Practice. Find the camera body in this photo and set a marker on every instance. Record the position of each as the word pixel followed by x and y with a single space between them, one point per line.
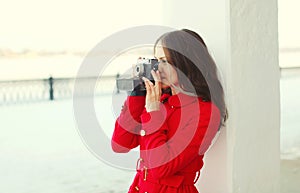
pixel 141 69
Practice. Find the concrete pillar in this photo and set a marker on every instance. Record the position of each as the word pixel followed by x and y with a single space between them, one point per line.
pixel 242 37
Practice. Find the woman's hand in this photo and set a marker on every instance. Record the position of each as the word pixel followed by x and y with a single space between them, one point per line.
pixel 153 92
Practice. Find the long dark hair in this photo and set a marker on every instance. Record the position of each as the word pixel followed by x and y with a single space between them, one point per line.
pixel 196 69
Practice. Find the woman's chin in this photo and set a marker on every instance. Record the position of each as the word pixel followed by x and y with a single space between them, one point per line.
pixel 164 86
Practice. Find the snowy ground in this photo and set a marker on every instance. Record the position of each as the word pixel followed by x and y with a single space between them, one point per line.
pixel 42 151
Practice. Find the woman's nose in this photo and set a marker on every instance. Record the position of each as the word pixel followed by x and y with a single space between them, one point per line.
pixel 160 67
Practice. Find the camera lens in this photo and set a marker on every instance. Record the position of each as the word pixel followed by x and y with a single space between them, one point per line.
pixel 155 66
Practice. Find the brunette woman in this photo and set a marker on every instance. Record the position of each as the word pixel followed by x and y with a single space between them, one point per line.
pixel 176 119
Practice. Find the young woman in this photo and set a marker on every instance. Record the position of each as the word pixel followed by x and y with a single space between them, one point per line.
pixel 177 119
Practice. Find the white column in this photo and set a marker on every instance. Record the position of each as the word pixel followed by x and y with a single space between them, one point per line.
pixel 242 37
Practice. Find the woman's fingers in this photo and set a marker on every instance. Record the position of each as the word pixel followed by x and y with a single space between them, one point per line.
pixel 152 95
pixel 157 79
pixel 156 76
pixel 148 85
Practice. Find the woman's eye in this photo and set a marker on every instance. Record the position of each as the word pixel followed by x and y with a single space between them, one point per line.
pixel 163 61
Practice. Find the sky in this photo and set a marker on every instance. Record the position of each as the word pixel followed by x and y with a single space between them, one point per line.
pixel 79 25
pixel 72 25
pixel 288 23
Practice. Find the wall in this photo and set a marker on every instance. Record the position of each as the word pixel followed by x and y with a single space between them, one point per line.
pixel 242 37
pixel 254 92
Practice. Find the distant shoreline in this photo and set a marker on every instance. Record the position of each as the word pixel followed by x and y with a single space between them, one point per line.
pixel 25 53
pixel 290 71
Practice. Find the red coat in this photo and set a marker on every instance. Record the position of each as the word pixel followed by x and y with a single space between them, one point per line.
pixel 172 141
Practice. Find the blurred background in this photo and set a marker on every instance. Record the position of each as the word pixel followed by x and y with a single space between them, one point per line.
pixel 42 45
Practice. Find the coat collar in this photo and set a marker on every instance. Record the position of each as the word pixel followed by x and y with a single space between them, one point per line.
pixel 179 99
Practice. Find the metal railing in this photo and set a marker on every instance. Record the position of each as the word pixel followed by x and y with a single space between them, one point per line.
pixel 24 91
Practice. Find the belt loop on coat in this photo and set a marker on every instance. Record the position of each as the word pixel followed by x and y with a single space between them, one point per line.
pixel 197 176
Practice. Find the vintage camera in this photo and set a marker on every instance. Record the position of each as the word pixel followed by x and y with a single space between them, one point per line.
pixel 142 68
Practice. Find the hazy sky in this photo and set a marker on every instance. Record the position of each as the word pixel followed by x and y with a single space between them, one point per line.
pixel 66 24
pixel 79 25
pixel 288 21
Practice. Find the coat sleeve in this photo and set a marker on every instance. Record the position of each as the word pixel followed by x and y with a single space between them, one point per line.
pixel 127 126
pixel 167 156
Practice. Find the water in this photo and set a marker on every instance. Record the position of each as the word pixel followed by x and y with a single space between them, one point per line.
pixel 40 67
pixel 41 151
pixel 290 114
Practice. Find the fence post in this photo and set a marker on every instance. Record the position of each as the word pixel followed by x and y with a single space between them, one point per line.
pixel 117 76
pixel 51 92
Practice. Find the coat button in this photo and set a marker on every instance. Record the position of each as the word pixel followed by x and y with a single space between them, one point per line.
pixel 142 132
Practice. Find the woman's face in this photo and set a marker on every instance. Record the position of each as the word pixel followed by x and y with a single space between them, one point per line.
pixel 168 73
